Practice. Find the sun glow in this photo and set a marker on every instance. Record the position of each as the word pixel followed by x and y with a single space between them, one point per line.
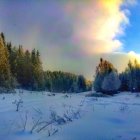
pixel 134 56
pixel 99 24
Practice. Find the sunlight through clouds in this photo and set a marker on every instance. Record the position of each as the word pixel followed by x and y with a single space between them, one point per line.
pixel 71 35
pixel 99 23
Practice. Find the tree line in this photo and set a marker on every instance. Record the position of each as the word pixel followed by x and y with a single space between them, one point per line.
pixel 59 81
pixel 130 78
pixel 21 68
pixel 107 79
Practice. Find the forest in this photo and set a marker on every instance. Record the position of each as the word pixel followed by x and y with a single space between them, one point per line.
pixel 22 69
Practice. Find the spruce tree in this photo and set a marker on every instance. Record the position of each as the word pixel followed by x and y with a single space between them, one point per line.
pixel 20 66
pixel 38 75
pixel 81 83
pixel 27 79
pixel 5 75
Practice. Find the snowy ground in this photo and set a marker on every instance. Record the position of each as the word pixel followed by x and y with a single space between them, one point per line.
pixel 75 117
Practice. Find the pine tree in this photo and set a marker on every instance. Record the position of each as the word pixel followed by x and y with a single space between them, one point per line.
pixel 38 75
pixel 81 83
pixel 20 66
pixel 27 79
pixel 133 74
pixel 12 58
pixel 5 75
pixel 124 81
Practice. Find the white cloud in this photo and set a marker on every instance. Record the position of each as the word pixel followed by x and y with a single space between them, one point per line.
pixel 134 56
pixel 98 23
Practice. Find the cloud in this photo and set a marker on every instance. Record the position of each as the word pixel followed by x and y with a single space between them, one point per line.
pixel 77 26
pixel 131 2
pixel 71 35
pixel 134 56
pixel 99 23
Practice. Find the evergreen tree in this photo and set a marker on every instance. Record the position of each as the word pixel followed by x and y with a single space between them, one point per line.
pixel 102 70
pixel 81 83
pixel 27 82
pixel 38 75
pixel 5 75
pixel 12 58
pixel 124 81
pixel 131 77
pixel 20 66
pixel 59 81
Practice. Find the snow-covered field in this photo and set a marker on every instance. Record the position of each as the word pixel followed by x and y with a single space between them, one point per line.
pixel 43 116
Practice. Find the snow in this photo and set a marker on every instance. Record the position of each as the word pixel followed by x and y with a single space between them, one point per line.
pixel 102 118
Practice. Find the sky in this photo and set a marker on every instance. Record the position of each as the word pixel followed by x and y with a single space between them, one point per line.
pixel 72 35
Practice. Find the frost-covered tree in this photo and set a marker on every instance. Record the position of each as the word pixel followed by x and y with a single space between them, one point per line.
pixel 111 83
pixel 102 70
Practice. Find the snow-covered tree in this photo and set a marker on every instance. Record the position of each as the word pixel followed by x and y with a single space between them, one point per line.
pixel 111 83
pixel 130 77
pixel 102 70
